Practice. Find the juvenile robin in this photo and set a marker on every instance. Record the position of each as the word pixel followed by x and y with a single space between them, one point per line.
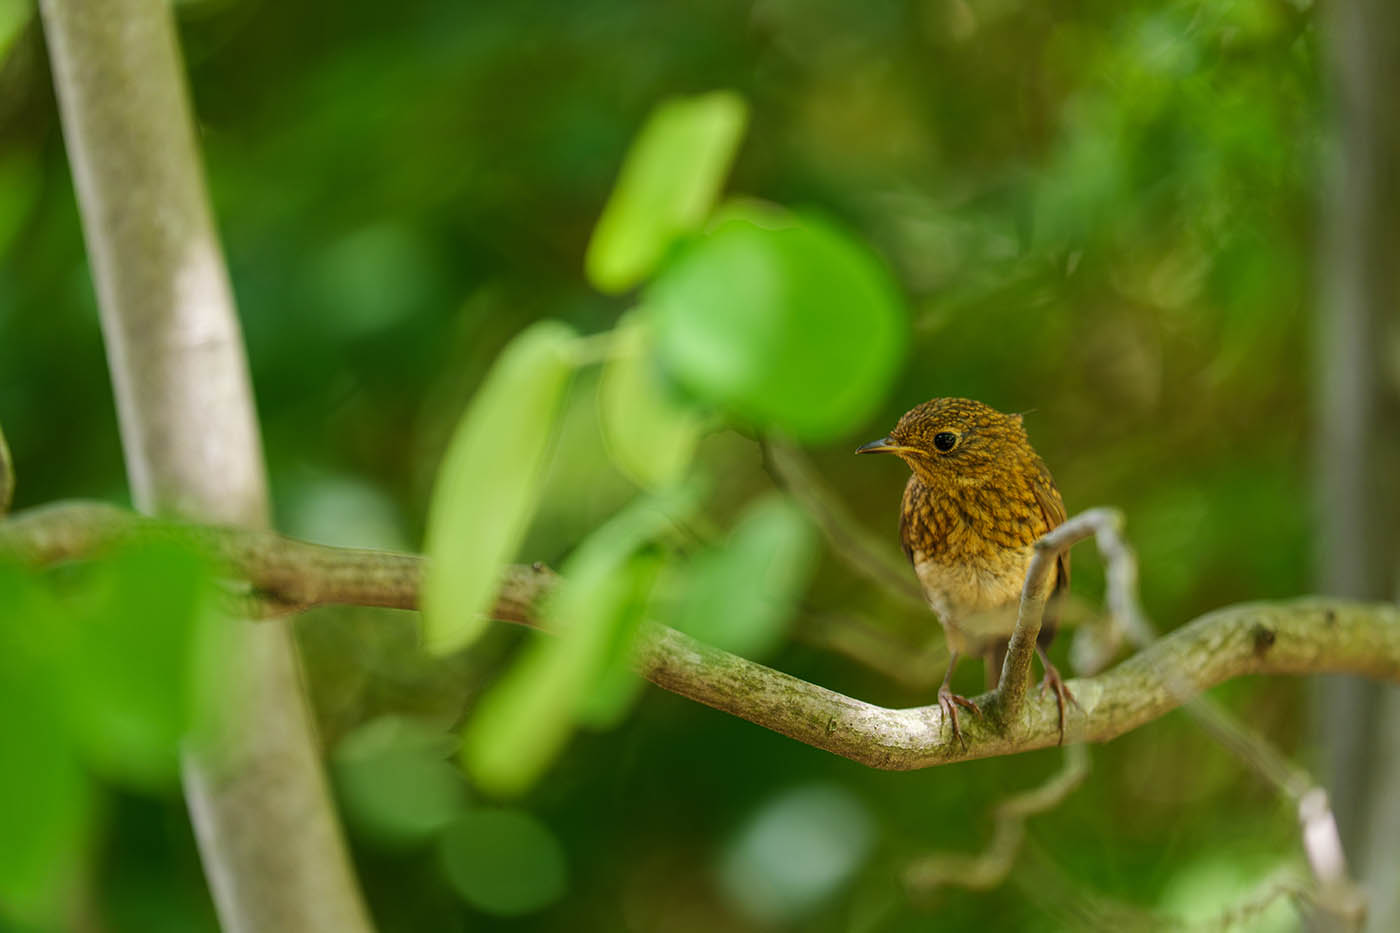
pixel 978 499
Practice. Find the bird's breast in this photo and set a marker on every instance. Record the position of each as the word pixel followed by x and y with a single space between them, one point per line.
pixel 970 550
pixel 976 600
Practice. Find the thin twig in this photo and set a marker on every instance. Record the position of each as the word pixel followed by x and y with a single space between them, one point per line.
pixel 1332 892
pixel 7 476
pixel 989 868
pixel 1296 637
pixel 848 539
pixel 916 667
pixel 1016 668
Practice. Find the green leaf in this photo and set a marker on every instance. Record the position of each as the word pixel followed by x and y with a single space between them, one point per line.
pixel 489 483
pixel 651 435
pixel 504 862
pixel 741 596
pixel 796 328
pixel 523 721
pixel 14 16
pixel 45 795
pixel 395 782
pixel 616 686
pixel 668 184
pixel 132 671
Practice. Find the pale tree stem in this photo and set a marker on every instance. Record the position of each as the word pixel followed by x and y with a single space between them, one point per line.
pixel 1358 419
pixel 268 837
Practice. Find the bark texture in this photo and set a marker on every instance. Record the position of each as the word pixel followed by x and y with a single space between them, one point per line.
pixel 1358 422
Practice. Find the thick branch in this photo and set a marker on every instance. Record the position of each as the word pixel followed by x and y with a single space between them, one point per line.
pixel 1296 637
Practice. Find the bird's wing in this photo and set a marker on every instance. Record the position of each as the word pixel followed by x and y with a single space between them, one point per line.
pixel 1052 509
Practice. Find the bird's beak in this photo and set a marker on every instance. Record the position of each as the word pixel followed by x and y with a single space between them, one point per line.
pixel 883 446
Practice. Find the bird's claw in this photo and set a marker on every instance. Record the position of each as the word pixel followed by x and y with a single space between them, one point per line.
pixel 949 702
pixel 1053 681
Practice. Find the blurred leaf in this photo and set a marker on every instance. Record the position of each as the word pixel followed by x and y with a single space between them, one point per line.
pixel 370 280
pixel 795 852
pixel 489 482
pixel 667 186
pixel 14 16
pixel 616 686
pixel 45 798
pixel 525 718
pixel 740 597
pixel 651 435
pixel 395 781
pixel 132 679
pixel 797 328
pixel 504 862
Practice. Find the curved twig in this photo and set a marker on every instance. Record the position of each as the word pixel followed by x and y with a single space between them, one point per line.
pixel 989 868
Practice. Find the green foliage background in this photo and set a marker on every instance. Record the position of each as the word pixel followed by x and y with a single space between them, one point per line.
pixel 1100 212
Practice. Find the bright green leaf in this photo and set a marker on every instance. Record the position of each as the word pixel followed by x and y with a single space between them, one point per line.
pixel 45 797
pixel 616 686
pixel 740 597
pixel 134 651
pixel 798 328
pixel 395 782
pixel 489 483
pixel 525 718
pixel 667 186
pixel 504 862
pixel 651 435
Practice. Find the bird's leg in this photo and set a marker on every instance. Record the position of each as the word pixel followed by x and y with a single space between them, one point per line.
pixel 950 701
pixel 1054 681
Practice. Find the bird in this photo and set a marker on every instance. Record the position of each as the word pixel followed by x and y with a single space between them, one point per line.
pixel 978 498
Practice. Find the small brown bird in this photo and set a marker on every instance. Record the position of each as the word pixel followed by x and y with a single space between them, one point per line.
pixel 979 498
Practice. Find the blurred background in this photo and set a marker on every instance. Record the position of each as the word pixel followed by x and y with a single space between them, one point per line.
pixel 1104 214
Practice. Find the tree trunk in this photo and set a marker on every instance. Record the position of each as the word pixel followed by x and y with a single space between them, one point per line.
pixel 1358 430
pixel 271 847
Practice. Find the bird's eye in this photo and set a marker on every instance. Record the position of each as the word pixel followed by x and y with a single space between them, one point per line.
pixel 945 441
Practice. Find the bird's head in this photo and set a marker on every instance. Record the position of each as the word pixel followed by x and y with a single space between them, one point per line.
pixel 953 442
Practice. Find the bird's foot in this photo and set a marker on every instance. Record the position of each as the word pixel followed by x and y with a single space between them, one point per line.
pixel 950 701
pixel 1053 681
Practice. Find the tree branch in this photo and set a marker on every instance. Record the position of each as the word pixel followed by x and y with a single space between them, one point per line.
pixel 1035 593
pixel 1301 636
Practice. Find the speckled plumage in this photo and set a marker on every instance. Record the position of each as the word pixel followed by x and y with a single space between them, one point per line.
pixel 970 515
pixel 969 518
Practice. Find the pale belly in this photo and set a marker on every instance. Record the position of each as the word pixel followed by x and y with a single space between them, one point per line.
pixel 976 603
